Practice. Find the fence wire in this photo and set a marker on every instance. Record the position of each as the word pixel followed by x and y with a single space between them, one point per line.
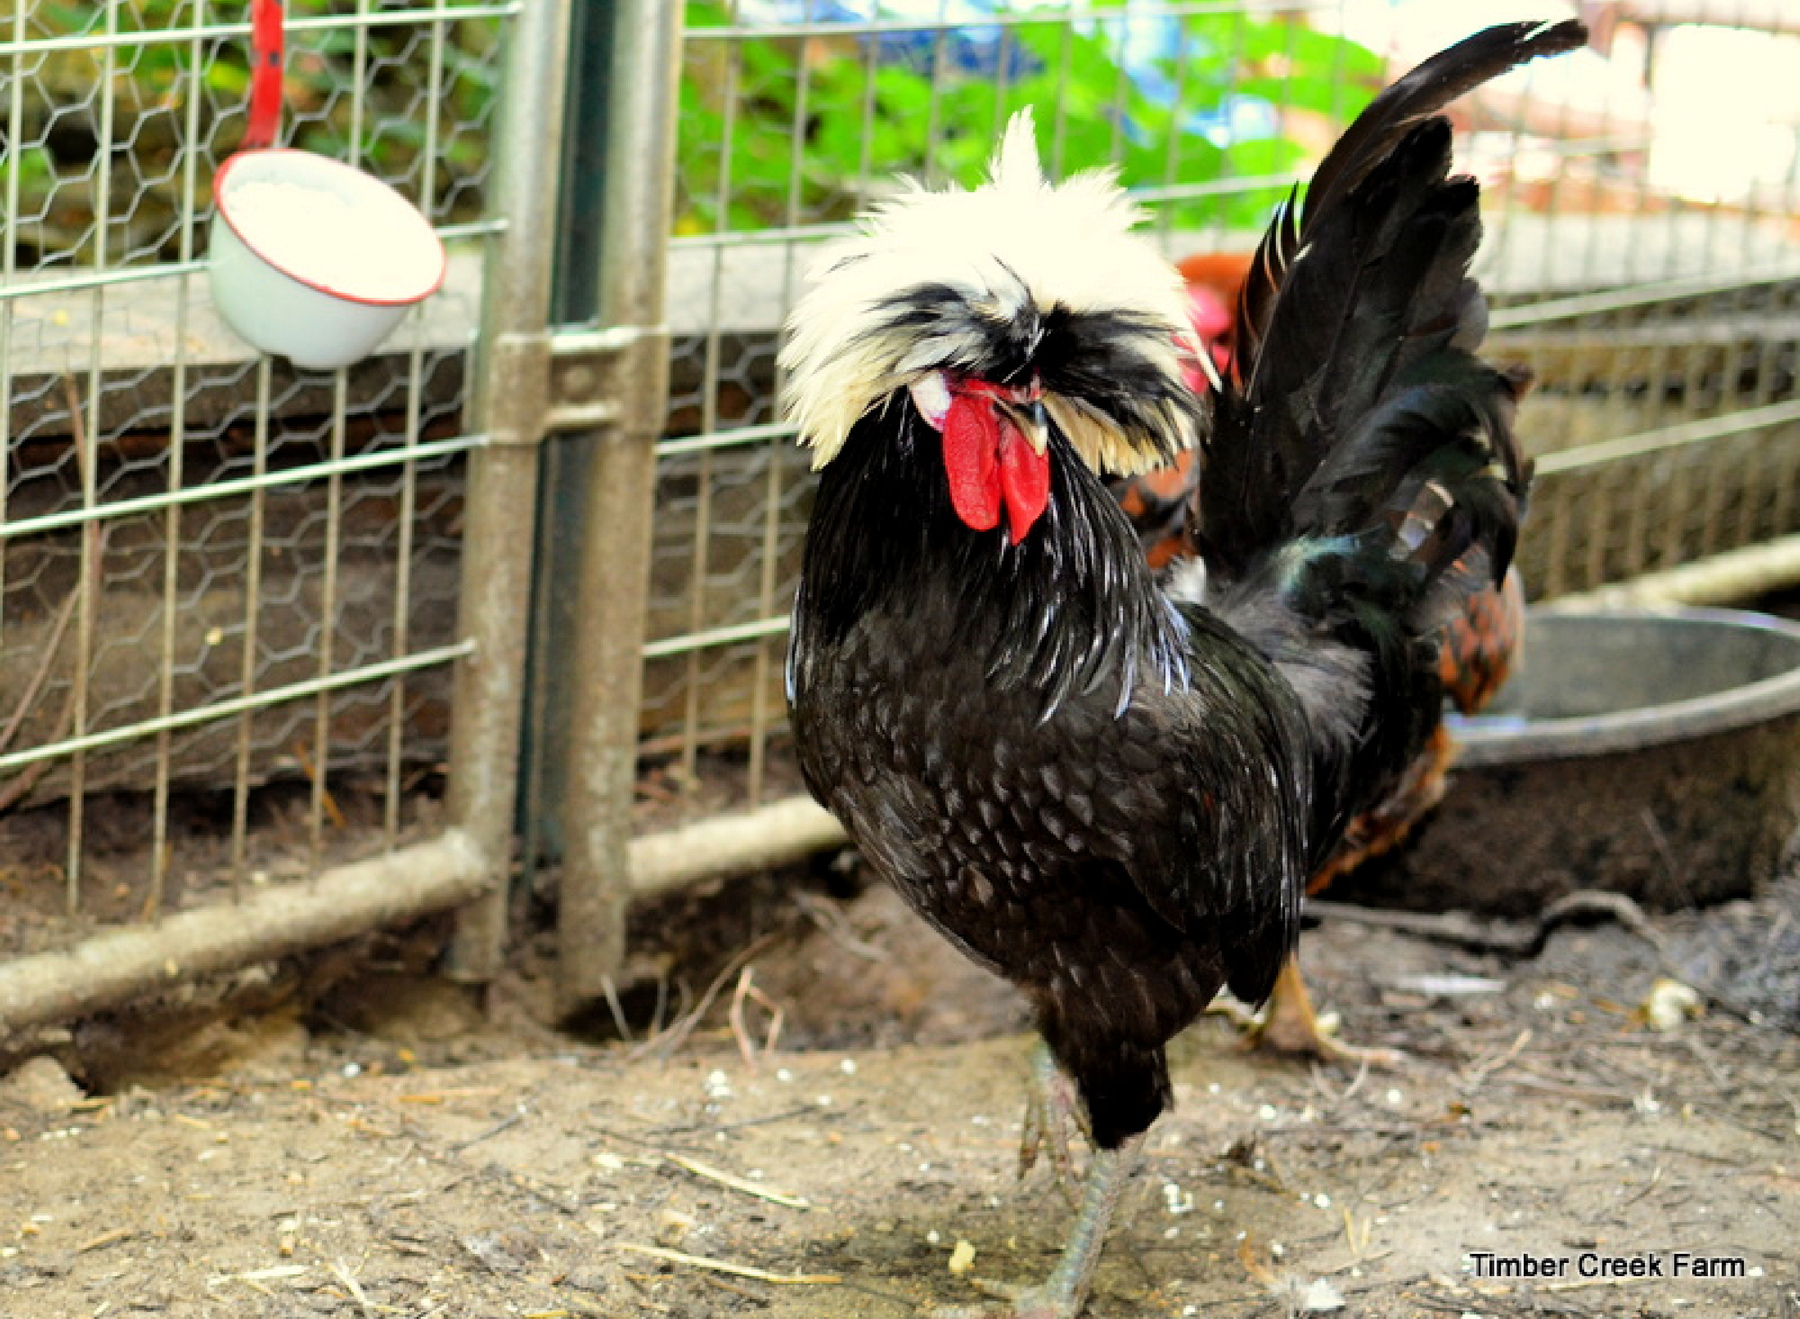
pixel 1650 284
pixel 228 586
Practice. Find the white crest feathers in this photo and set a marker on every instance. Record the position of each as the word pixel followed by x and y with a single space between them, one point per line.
pixel 1016 244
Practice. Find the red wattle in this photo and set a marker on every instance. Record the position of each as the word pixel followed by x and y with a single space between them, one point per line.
pixel 1025 479
pixel 971 460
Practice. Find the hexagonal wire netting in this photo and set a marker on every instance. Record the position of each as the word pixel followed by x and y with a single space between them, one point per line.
pixel 228 584
pixel 1641 255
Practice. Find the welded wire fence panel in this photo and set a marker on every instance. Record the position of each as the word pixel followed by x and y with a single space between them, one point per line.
pixel 794 119
pixel 229 585
pixel 1641 254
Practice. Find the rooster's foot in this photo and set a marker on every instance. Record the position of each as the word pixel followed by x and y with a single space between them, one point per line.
pixel 1292 1026
pixel 1015 1302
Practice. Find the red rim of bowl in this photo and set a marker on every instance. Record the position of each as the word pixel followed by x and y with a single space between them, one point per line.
pixel 224 213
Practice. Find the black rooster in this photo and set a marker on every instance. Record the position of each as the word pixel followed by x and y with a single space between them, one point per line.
pixel 1109 791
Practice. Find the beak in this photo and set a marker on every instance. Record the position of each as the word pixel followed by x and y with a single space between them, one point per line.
pixel 1031 421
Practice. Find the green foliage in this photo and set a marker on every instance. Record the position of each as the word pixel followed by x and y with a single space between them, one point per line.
pixel 779 129
pixel 776 128
pixel 365 99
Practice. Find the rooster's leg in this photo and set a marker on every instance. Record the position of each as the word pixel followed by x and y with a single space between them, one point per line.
pixel 1063 1294
pixel 1052 1111
pixel 1291 1025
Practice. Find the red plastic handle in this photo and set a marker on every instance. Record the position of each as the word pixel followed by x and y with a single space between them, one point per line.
pixel 266 45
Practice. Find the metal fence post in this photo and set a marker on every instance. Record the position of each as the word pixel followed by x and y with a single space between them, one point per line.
pixel 613 576
pixel 509 405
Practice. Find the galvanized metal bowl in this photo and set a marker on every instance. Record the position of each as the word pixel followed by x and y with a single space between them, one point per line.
pixel 1653 753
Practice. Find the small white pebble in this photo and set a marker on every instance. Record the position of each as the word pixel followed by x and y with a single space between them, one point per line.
pixel 352 1069
pixel 1322 1200
pixel 782 1074
pixel 1170 1233
pixel 1321 1298
pixel 1277 1250
pixel 848 1067
pixel 1394 1098
pixel 1212 1088
pixel 1266 1113
pixel 608 1160
pixel 823 1101
pixel 932 1237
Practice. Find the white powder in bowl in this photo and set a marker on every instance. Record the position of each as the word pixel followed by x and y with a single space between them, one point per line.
pixel 372 248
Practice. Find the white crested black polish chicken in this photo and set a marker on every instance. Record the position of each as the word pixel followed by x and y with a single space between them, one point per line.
pixel 1107 787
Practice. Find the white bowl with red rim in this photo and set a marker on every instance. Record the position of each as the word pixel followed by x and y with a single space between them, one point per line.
pixel 315 260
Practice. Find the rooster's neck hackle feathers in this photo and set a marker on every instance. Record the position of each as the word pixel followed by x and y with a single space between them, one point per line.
pixel 1016 278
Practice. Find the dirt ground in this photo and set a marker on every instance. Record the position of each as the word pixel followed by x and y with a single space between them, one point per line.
pixel 393 1149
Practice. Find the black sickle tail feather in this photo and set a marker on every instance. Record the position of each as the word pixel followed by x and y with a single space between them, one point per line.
pixel 1386 241
pixel 1362 477
pixel 1357 329
pixel 1368 141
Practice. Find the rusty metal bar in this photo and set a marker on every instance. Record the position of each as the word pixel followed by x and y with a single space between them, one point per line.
pixel 511 373
pixel 620 498
pixel 778 834
pixel 113 968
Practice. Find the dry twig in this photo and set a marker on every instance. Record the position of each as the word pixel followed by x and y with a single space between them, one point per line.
pixel 740 1031
pixel 1508 938
pixel 736 1183
pixel 312 776
pixel 666 1042
pixel 726 1266
pixel 88 590
pixel 1473 1078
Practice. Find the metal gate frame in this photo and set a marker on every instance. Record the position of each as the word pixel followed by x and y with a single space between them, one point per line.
pixel 469 861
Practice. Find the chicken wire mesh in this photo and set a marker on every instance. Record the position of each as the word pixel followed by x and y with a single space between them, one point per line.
pixel 1641 253
pixel 228 585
